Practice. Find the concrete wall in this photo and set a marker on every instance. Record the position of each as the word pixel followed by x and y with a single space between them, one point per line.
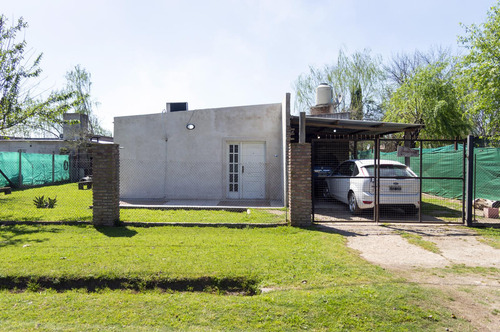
pixel 32 146
pixel 160 158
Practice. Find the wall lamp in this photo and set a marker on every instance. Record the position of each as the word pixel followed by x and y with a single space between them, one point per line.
pixel 190 126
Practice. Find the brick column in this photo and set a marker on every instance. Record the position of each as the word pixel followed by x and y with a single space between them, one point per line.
pixel 300 185
pixel 106 184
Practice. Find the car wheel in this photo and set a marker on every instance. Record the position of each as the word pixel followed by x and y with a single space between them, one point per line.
pixel 353 204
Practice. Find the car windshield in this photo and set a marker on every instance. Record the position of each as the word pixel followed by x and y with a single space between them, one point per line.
pixel 391 171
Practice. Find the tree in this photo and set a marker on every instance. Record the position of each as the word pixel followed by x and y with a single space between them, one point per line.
pixel 429 97
pixel 355 80
pixel 78 82
pixel 479 77
pixel 17 106
pixel 403 66
pixel 78 86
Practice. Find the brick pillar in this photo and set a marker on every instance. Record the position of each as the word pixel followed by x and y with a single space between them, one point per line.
pixel 300 185
pixel 106 184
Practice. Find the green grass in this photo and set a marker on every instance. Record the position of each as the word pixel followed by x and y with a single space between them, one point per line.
pixel 315 281
pixel 178 252
pixel 442 208
pixel 417 240
pixel 74 205
pixel 490 236
pixel 462 269
pixel 250 216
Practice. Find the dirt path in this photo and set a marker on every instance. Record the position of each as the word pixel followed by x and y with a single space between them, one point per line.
pixel 473 294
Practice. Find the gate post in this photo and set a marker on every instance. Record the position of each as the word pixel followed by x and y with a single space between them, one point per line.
pixel 299 186
pixel 106 184
pixel 469 181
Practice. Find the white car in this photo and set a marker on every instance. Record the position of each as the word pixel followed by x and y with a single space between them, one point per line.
pixel 353 183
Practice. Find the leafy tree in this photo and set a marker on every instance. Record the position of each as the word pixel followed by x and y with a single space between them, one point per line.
pixel 355 80
pixel 17 106
pixel 78 85
pixel 79 82
pixel 480 74
pixel 429 97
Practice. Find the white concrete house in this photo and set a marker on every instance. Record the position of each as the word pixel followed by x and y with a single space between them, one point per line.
pixel 222 155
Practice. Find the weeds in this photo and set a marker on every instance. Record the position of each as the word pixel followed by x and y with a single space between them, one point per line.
pixel 42 203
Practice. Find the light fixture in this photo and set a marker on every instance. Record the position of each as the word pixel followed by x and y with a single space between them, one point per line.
pixel 190 126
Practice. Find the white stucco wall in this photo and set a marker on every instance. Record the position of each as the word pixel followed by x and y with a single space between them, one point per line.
pixel 160 158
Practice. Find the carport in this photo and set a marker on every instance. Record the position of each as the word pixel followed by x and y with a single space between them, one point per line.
pixel 333 140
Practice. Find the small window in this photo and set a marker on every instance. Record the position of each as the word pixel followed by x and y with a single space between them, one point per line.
pixel 233 167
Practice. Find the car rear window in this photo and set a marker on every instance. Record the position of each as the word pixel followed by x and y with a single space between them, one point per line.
pixel 391 171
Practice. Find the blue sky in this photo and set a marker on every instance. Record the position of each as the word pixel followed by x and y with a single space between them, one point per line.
pixel 142 54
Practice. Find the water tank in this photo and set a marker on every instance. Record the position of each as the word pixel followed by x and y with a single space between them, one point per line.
pixel 324 94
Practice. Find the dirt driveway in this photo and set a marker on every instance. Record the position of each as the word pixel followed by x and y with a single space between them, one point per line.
pixel 465 269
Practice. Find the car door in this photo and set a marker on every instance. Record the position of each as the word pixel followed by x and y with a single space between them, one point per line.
pixel 339 183
pixel 346 181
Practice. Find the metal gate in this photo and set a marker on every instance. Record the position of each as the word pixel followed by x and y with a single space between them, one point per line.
pixel 372 179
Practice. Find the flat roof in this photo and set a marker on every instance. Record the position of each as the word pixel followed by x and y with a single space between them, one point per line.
pixel 324 126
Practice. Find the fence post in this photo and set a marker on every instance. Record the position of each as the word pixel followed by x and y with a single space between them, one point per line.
pixel 53 166
pixel 299 188
pixel 20 168
pixel 106 184
pixel 469 181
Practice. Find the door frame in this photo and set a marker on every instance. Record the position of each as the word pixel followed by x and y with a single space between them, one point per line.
pixel 239 194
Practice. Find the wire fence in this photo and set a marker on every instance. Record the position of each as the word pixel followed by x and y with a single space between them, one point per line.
pixel 486 181
pixel 201 192
pixel 389 180
pixel 155 191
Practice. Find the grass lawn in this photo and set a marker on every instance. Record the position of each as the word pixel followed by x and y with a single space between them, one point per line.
pixel 311 281
pixel 250 216
pixel 73 205
pixel 490 236
pixel 447 210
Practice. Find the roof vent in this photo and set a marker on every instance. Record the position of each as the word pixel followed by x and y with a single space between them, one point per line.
pixel 177 107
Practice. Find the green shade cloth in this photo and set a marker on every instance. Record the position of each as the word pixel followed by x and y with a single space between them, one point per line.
pixel 447 162
pixel 36 169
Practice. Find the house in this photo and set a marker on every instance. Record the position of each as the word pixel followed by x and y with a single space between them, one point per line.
pixel 232 155
pixel 219 155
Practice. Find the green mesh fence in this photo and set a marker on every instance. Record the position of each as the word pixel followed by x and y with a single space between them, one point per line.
pixel 36 169
pixel 487 173
pixel 447 162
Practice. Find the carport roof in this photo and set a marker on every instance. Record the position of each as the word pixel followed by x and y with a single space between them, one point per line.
pixel 333 127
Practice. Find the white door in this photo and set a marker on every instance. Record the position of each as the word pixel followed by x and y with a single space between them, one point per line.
pixel 247 170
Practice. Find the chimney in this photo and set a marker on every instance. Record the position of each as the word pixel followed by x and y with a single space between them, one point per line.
pixel 75 131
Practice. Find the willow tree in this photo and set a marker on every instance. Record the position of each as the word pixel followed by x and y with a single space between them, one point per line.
pixel 356 80
pixel 429 97
pixel 78 86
